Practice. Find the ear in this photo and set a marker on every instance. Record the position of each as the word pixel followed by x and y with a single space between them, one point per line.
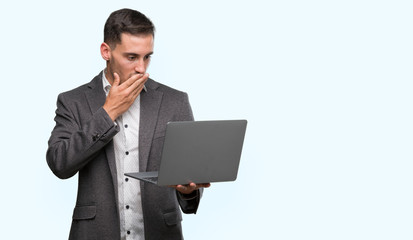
pixel 105 51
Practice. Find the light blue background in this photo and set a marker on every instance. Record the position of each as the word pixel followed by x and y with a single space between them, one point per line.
pixel 325 85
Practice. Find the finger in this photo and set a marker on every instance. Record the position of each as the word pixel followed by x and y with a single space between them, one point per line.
pixel 204 185
pixel 135 92
pixel 190 187
pixel 133 79
pixel 138 85
pixel 116 81
pixel 141 81
pixel 181 188
pixel 174 186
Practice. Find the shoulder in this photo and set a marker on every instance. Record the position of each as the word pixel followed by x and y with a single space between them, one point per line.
pixel 78 92
pixel 166 90
pixel 174 105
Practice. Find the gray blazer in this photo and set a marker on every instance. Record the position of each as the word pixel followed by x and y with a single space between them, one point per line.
pixel 81 142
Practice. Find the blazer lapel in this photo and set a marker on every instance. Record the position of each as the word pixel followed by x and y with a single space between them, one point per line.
pixel 96 97
pixel 150 104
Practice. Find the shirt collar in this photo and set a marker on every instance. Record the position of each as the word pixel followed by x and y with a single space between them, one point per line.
pixel 107 86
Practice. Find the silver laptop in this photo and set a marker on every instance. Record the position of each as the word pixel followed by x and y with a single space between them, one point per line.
pixel 199 152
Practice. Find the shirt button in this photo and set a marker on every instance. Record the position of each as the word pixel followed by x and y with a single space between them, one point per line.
pixel 126 125
pixel 127 206
pixel 126 179
pixel 128 232
pixel 127 153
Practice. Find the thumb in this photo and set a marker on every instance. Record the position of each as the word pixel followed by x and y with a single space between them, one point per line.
pixel 116 81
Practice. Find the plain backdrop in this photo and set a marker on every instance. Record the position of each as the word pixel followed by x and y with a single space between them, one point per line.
pixel 326 87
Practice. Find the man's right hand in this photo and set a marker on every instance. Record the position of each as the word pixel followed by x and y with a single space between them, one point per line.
pixel 121 96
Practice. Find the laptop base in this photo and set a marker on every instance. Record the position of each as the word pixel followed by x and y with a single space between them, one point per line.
pixel 151 177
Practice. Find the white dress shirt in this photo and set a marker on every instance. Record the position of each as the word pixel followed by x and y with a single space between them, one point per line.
pixel 126 144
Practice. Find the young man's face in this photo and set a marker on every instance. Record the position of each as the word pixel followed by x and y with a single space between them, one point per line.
pixel 131 56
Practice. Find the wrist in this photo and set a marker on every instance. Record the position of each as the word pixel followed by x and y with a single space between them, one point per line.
pixel 111 113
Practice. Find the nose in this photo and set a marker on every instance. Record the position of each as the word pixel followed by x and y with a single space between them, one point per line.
pixel 140 66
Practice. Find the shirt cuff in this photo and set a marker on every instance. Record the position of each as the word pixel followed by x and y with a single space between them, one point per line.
pixel 190 196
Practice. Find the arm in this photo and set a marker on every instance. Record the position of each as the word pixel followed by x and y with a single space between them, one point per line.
pixel 190 195
pixel 75 141
pixel 72 145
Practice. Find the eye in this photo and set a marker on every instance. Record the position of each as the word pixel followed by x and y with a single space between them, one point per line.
pixel 131 58
pixel 147 57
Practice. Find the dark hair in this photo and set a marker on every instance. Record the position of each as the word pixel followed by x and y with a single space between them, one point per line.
pixel 126 21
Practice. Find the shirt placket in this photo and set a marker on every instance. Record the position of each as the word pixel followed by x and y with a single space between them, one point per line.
pixel 131 188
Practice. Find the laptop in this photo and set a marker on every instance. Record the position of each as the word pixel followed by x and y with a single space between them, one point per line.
pixel 199 152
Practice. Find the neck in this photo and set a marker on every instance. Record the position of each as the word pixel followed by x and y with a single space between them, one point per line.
pixel 108 75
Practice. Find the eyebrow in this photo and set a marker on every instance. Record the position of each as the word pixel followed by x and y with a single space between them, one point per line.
pixel 135 54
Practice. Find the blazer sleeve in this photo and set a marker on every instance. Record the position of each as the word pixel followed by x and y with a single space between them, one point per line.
pixel 189 203
pixel 75 141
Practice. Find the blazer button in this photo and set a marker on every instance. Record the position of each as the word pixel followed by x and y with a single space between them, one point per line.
pixel 96 137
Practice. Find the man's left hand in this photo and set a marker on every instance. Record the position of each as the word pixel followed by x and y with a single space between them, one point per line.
pixel 189 188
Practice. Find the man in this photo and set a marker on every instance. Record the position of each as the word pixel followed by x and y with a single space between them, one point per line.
pixel 116 124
